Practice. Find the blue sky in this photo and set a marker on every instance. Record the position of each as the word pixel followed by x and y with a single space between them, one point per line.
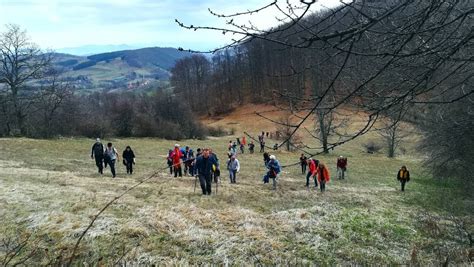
pixel 55 24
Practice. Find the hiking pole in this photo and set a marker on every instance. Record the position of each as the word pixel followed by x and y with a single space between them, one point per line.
pixel 195 182
pixel 217 184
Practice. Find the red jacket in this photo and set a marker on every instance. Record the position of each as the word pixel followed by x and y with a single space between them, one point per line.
pixel 176 156
pixel 323 173
pixel 312 168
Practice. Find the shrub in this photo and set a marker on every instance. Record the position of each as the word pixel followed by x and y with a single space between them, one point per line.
pixel 217 131
pixel 372 147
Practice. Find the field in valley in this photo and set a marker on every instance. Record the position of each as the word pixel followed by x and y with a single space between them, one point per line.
pixel 50 190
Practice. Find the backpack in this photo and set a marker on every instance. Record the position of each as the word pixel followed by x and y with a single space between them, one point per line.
pixel 276 167
pixel 98 149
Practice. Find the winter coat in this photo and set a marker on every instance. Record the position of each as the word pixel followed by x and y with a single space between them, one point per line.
pixel 176 156
pixel 403 175
pixel 97 150
pixel 233 165
pixel 342 163
pixel 303 160
pixel 128 155
pixel 312 168
pixel 203 165
pixel 323 173
pixel 274 168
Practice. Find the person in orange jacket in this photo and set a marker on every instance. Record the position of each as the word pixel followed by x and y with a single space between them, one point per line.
pixel 323 176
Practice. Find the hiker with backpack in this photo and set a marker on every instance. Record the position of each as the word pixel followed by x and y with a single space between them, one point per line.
pixel 261 140
pixel 274 169
pixel 98 153
pixel 187 159
pixel 204 165
pixel 233 166
pixel 323 176
pixel 128 159
pixel 110 157
pixel 341 167
pixel 169 161
pixel 251 147
pixel 312 171
pixel 176 157
pixel 403 176
pixel 303 163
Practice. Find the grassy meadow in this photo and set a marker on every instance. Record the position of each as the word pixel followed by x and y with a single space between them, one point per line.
pixel 50 190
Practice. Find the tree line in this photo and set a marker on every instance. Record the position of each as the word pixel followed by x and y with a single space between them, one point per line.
pixel 35 101
pixel 394 61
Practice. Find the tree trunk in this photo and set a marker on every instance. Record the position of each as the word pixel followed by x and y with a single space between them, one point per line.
pixel 323 132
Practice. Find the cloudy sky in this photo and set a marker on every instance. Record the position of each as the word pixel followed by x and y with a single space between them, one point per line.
pixel 56 24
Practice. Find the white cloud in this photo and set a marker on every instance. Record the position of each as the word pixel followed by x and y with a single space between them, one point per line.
pixel 62 23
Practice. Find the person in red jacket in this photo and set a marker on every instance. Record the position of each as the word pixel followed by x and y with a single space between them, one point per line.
pixel 176 156
pixel 312 171
pixel 323 176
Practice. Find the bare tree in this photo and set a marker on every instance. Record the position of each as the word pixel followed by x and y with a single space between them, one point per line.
pixel 393 135
pixel 21 61
pixel 382 53
pixel 50 98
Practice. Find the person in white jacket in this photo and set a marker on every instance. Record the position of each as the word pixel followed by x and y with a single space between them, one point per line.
pixel 233 166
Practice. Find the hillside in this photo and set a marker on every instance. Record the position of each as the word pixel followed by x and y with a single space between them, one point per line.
pixel 49 195
pixel 127 69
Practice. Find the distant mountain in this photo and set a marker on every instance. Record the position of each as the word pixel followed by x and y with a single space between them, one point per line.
pixel 127 69
pixel 87 50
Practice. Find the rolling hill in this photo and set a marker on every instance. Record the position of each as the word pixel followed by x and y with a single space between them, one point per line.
pixel 127 69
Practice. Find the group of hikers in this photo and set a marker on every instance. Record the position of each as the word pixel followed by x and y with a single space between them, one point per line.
pixel 109 156
pixel 205 164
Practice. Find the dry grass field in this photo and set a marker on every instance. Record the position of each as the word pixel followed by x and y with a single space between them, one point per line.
pixel 50 190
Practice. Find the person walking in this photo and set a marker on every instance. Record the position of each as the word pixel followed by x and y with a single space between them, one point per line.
pixel 97 152
pixel 128 159
pixel 233 166
pixel 176 156
pixel 204 168
pixel 341 167
pixel 303 163
pixel 323 176
pixel 186 160
pixel 261 140
pixel 110 157
pixel 403 177
pixel 312 171
pixel 169 160
pixel 274 169
pixel 251 147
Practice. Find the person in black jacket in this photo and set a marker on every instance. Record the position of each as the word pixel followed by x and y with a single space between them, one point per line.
pixel 128 159
pixel 98 153
pixel 204 170
pixel 303 163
